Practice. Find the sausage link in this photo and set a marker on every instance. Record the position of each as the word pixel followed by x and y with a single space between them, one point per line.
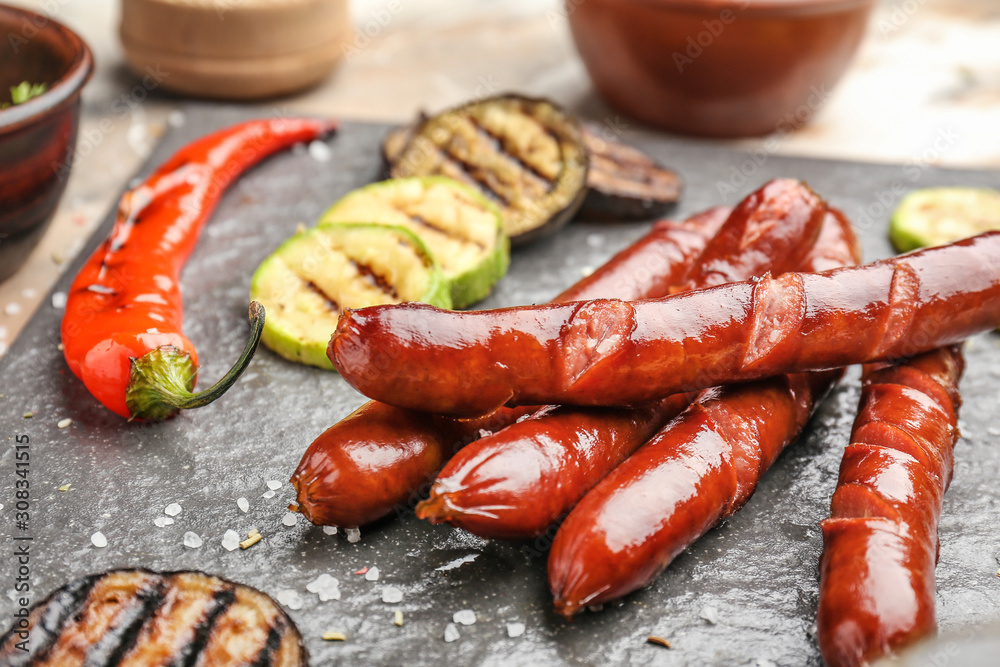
pixel 380 458
pixel 699 469
pixel 612 352
pixel 518 482
pixel 880 544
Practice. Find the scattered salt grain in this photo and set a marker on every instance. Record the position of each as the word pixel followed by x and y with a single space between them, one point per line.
pixel 98 540
pixel 270 494
pixel 29 293
pixel 290 519
pixel 59 300
pixel 173 509
pixel 397 618
pixel 327 587
pixel 353 535
pixel 176 118
pixel 464 617
pixel 515 629
pixel 243 504
pixel 329 530
pixel 231 540
pixel 319 151
pixel 192 540
pixel 710 614
pixel 391 595
pixel 290 599
pixel 64 423
pixel 274 485
pixel 162 521
pixel 12 308
pixel 458 562
pixel 451 633
pixel 372 574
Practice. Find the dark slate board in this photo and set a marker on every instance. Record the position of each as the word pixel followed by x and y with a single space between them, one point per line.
pixel 758 570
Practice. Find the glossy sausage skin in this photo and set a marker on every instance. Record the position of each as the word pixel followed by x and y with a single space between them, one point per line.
pixel 697 470
pixel 880 544
pixel 519 481
pixel 380 458
pixel 612 352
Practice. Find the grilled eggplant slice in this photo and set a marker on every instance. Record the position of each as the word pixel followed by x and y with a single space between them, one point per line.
pixel 526 155
pixel 133 618
pixel 461 228
pixel 308 281
pixel 623 182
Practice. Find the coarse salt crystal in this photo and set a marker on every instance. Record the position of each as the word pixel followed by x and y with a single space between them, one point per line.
pixel 353 535
pixel 451 633
pixel 515 629
pixel 319 151
pixel 12 308
pixel 290 519
pixel 326 586
pixel 173 509
pixel 98 540
pixel 465 617
pixel 270 494
pixel 372 574
pixel 329 530
pixel 231 540
pixel 710 614
pixel 176 118
pixel 243 504
pixel 274 485
pixel 392 595
pixel 192 540
pixel 59 300
pixel 290 599
pixel 162 521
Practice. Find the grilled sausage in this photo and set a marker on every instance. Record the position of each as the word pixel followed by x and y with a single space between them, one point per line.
pixel 517 482
pixel 612 352
pixel 380 458
pixel 697 470
pixel 880 544
pixel 139 618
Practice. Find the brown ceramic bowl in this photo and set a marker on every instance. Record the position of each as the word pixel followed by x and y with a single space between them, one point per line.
pixel 37 137
pixel 719 68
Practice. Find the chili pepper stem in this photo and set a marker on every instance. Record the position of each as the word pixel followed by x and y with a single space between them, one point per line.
pixel 162 380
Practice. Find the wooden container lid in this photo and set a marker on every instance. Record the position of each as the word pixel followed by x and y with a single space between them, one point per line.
pixel 235 49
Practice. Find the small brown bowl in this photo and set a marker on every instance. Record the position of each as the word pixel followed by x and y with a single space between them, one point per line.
pixel 37 137
pixel 718 68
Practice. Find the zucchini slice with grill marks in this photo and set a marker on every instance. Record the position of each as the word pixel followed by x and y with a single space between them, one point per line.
pixel 526 155
pixel 936 216
pixel 461 228
pixel 308 282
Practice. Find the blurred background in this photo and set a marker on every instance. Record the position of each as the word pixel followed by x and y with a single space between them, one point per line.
pixel 923 88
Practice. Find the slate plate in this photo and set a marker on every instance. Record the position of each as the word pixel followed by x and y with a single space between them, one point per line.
pixel 757 572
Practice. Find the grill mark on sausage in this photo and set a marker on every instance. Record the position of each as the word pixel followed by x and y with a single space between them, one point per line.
pixel 109 650
pixel 188 656
pixel 63 605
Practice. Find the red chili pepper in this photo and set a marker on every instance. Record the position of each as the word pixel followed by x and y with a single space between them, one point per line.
pixel 121 331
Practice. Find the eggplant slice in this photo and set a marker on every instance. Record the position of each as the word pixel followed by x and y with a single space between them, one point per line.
pixel 133 618
pixel 525 155
pixel 623 183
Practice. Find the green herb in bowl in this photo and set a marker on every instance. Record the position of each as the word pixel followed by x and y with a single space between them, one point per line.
pixel 23 92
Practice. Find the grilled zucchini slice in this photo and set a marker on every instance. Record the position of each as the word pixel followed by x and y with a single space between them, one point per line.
pixel 461 228
pixel 308 282
pixel 526 155
pixel 936 216
pixel 133 618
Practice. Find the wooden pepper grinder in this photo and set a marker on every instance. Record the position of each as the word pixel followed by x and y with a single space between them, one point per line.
pixel 235 49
